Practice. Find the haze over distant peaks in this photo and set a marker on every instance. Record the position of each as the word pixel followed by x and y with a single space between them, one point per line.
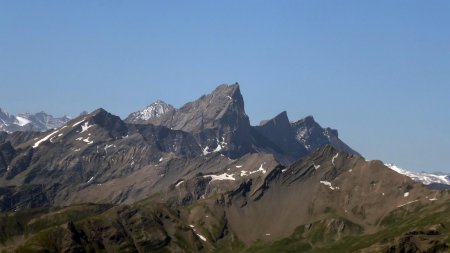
pixel 40 121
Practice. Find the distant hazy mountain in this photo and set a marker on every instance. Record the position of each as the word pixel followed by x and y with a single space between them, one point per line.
pixel 433 180
pixel 40 121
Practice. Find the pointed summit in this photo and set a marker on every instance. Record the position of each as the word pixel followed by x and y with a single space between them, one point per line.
pixel 313 136
pixel 155 110
pixel 99 125
pixel 279 131
pixel 222 105
pixel 280 120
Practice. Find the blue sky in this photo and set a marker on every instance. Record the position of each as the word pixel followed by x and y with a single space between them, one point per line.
pixel 378 71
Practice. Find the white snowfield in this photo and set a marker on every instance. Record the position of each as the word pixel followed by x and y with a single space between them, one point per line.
pixel 44 139
pixel 423 177
pixel 22 121
pixel 334 157
pixel 85 127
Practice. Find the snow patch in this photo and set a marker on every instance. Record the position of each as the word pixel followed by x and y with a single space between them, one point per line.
pixel 161 159
pixel 88 141
pixel 223 176
pixel 218 148
pixel 260 169
pixel 85 127
pixel 90 180
pixel 238 166
pixel 79 122
pixel 220 145
pixel 406 194
pixel 199 235
pixel 205 150
pixel 329 185
pixel 107 146
pixel 410 202
pixel 334 157
pixel 179 183
pixel 44 139
pixel 22 121
pixel 316 167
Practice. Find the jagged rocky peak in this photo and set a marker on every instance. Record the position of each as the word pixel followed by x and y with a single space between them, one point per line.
pixel 103 119
pixel 229 94
pixel 311 134
pixel 308 120
pixel 94 127
pixel 279 131
pixel 301 137
pixel 308 126
pixel 156 109
pixel 281 120
pixel 224 105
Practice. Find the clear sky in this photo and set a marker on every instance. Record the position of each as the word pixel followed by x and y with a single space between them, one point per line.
pixel 378 71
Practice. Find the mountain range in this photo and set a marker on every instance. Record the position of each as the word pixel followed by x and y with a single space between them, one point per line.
pixel 40 121
pixel 201 178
